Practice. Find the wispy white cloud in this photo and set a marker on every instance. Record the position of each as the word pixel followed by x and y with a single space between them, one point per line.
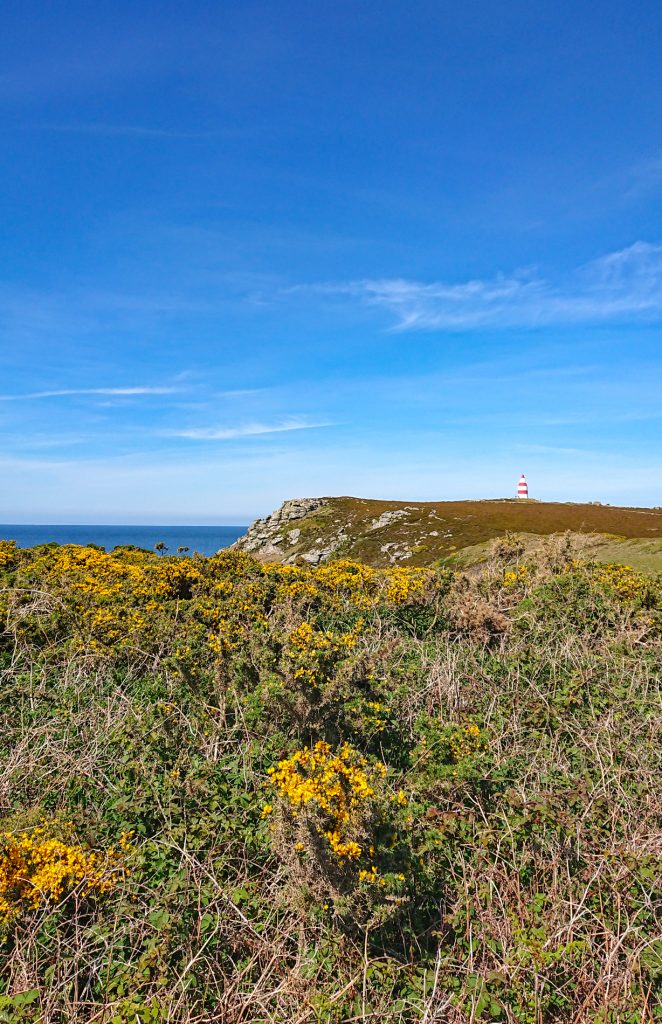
pixel 67 392
pixel 246 430
pixel 621 285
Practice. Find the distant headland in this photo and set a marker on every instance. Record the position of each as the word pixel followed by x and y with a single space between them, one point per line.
pixel 382 533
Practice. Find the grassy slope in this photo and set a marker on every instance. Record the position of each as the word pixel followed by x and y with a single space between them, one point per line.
pixel 470 524
pixel 643 555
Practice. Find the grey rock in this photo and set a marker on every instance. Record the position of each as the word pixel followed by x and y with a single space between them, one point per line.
pixel 396 552
pixel 386 518
pixel 317 555
pixel 264 535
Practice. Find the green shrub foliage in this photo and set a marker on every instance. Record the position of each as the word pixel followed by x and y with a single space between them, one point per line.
pixel 265 793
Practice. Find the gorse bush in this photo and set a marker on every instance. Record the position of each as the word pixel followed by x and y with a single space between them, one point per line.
pixel 338 784
pixel 37 868
pixel 241 792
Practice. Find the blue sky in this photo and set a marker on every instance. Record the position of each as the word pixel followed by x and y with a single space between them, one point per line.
pixel 255 250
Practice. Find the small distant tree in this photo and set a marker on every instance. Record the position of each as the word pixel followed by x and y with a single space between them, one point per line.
pixel 161 547
pixel 183 550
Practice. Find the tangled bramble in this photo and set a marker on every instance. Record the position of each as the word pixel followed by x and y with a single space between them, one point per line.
pixel 36 869
pixel 338 785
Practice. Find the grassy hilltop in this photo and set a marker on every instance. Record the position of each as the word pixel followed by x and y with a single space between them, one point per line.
pixel 382 533
pixel 245 792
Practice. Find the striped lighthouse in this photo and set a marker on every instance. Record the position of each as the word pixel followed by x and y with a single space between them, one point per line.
pixel 522 487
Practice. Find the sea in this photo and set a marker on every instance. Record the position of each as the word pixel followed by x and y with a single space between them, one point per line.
pixel 207 540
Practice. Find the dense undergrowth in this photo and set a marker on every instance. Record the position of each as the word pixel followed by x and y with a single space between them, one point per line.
pixel 251 793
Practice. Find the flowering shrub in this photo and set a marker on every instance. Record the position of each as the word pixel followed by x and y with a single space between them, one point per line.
pixel 516 577
pixel 88 571
pixel 465 741
pixel 403 585
pixel 37 868
pixel 623 581
pixel 336 787
pixel 8 553
pixel 345 583
pixel 376 715
pixel 312 653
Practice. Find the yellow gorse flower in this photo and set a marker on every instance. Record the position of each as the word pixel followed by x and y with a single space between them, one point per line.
pixel 113 596
pixel 465 742
pixel 516 577
pixel 37 869
pixel 346 582
pixel 124 601
pixel 8 553
pixel 622 580
pixel 312 653
pixel 336 783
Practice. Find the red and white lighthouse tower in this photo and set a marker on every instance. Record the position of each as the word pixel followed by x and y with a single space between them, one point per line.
pixel 522 487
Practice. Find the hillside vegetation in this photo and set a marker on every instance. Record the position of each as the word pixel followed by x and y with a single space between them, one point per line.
pixel 384 533
pixel 240 792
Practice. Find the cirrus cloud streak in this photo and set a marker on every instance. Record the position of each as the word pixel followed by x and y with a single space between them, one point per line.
pixel 246 430
pixel 623 285
pixel 70 392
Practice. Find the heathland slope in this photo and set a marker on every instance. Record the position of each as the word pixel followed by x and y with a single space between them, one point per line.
pixel 239 792
pixel 383 533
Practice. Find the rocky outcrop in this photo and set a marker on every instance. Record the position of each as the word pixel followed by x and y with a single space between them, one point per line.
pixel 396 552
pixel 386 518
pixel 268 538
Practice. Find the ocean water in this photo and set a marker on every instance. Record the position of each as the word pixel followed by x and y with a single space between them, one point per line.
pixel 205 539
